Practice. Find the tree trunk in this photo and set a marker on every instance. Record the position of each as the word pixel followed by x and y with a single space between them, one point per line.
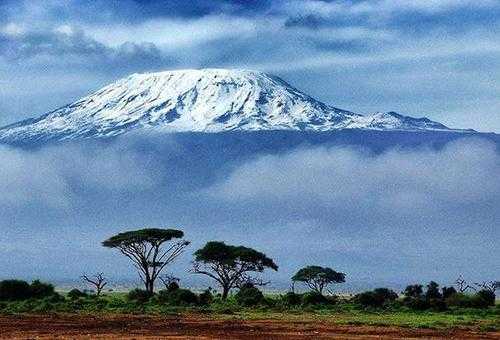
pixel 225 292
pixel 150 286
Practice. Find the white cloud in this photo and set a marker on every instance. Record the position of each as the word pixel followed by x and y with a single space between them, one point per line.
pixel 177 33
pixel 396 182
pixel 378 9
pixel 12 29
pixel 55 177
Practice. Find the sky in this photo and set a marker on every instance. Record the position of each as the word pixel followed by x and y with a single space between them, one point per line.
pixel 434 58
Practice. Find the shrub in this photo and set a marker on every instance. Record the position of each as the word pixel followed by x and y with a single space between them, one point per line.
pixel 139 295
pixel 376 298
pixel 433 298
pixel 206 297
pixel 488 296
pixel 182 297
pixel 314 298
pixel 76 293
pixel 40 290
pixel 291 299
pixel 448 291
pixel 418 303
pixel 248 295
pixel 172 286
pixel 13 290
pixel 432 292
pixel 413 291
pixel 468 301
pixel 386 293
pixel 177 297
pixel 437 304
pixel 54 298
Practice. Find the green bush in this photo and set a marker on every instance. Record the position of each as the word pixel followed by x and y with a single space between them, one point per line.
pixel 414 291
pixel 40 290
pixel 172 286
pixel 13 290
pixel 314 298
pixel 376 298
pixel 177 297
pixel 468 301
pixel 206 297
pixel 291 299
pixel 448 291
pixel 54 298
pixel 76 293
pixel 139 295
pixel 418 303
pixel 438 304
pixel 181 297
pixel 488 296
pixel 432 292
pixel 248 295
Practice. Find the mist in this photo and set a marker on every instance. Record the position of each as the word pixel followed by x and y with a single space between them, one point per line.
pixel 396 216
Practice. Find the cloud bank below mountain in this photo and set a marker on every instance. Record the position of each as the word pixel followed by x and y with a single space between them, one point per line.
pixel 398 216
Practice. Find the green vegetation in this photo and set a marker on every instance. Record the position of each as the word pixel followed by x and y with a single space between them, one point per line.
pixel 234 269
pixel 230 265
pixel 15 290
pixel 377 298
pixel 340 311
pixel 318 278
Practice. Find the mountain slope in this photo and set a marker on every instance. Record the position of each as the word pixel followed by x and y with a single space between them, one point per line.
pixel 209 100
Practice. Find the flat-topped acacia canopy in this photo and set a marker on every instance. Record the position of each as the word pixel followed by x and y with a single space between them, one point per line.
pixel 229 265
pixel 150 235
pixel 230 255
pixel 317 277
pixel 144 247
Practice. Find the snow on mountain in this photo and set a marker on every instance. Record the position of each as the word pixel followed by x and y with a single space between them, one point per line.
pixel 208 100
pixel 395 121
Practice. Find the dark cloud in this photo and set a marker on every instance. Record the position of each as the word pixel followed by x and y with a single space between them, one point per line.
pixel 69 45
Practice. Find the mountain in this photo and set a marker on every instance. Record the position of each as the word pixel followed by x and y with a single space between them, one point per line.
pixel 209 101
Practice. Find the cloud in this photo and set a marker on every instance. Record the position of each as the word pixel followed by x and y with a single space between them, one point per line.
pixel 69 43
pixel 398 211
pixel 379 9
pixel 396 180
pixel 407 207
pixel 58 177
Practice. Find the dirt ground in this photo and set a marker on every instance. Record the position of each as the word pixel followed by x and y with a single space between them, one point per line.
pixel 199 327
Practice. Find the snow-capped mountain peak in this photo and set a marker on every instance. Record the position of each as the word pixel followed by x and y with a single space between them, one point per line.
pixel 207 100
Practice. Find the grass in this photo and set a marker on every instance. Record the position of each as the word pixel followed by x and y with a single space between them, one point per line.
pixel 343 313
pixel 486 321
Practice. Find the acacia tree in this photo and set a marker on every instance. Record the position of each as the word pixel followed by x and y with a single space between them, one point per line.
pixel 231 265
pixel 98 281
pixel 318 278
pixel 148 250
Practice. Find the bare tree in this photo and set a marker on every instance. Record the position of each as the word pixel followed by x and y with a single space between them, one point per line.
pixel 168 280
pixel 98 281
pixel 491 286
pixel 462 285
pixel 245 279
